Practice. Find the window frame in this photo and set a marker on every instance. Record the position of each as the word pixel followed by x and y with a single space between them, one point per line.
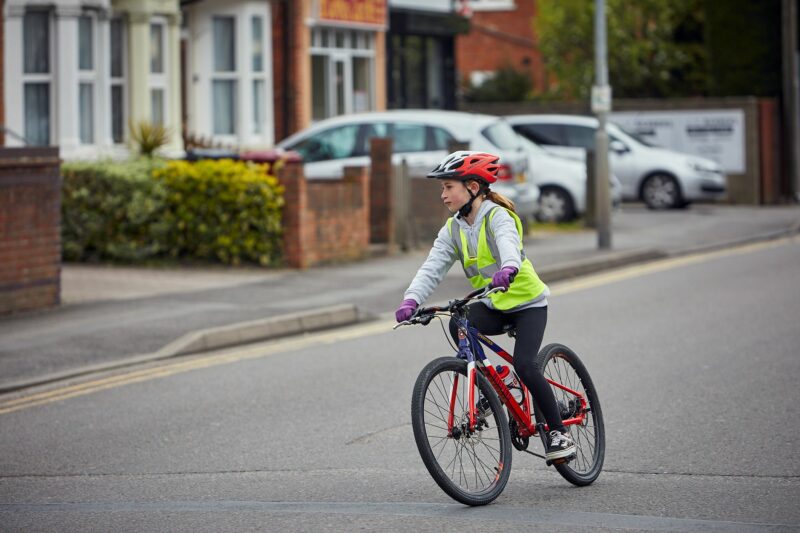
pixel 258 121
pixel 340 45
pixel 232 75
pixel 159 80
pixel 118 81
pixel 89 77
pixel 33 78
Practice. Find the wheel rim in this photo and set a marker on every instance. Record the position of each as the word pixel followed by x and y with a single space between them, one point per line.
pixel 586 436
pixel 661 192
pixel 552 206
pixel 474 461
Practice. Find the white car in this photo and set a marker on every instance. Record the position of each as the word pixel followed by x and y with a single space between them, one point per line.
pixel 562 182
pixel 661 178
pixel 421 137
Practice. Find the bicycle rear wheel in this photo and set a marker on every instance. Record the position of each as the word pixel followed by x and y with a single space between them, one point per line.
pixel 561 365
pixel 471 467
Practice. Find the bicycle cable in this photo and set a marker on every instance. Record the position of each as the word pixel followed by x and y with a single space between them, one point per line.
pixel 446 334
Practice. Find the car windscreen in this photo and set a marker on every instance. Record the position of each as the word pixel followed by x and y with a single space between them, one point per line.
pixel 635 136
pixel 501 135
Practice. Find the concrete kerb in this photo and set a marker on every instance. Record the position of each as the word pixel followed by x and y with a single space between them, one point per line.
pixel 216 338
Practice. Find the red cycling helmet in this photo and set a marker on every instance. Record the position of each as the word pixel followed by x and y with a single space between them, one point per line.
pixel 466 166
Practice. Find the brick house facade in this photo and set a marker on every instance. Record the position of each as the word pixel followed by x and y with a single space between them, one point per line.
pixel 501 34
pixel 317 43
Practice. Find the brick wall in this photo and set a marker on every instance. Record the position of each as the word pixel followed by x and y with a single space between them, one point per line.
pixel 324 221
pixel 500 38
pixel 382 230
pixel 30 229
pixel 427 211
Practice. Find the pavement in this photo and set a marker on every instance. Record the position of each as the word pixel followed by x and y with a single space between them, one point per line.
pixel 113 316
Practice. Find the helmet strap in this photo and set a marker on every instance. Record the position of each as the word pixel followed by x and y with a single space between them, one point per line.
pixel 466 209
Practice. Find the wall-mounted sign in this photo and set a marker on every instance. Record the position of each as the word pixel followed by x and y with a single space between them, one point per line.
pixel 371 12
pixel 716 134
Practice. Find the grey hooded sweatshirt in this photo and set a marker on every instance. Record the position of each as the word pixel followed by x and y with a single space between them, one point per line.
pixel 443 254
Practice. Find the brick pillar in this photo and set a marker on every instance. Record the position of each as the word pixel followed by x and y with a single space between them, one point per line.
pixel 361 205
pixel 296 228
pixel 769 147
pixel 381 207
pixel 30 229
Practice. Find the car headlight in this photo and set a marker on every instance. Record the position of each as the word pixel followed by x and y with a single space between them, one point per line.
pixel 703 166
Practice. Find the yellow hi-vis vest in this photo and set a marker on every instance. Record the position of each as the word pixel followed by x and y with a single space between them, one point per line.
pixel 480 268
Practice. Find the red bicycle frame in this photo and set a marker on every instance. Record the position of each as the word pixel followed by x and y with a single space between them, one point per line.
pixel 522 414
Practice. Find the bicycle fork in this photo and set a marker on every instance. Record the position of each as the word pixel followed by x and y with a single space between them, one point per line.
pixel 464 352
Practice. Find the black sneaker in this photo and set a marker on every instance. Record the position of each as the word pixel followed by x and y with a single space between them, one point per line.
pixel 559 446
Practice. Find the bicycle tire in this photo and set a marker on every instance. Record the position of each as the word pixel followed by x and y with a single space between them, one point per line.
pixel 429 411
pixel 561 364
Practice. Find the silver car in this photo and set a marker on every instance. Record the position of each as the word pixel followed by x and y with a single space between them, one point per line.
pixel 421 137
pixel 661 178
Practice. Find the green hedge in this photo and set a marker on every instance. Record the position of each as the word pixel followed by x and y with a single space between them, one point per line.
pixel 112 210
pixel 145 210
pixel 224 210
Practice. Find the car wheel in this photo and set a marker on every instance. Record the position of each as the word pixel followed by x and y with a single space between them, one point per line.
pixel 661 191
pixel 555 205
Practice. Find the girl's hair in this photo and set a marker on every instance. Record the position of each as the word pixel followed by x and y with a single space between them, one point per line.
pixel 500 200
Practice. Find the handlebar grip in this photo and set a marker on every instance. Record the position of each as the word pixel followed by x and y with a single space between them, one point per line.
pixel 476 292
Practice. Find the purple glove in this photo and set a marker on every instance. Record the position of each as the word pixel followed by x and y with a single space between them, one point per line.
pixel 503 277
pixel 405 310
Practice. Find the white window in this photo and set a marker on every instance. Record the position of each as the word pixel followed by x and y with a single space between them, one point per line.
pixel 259 82
pixel 117 68
pixel 37 77
pixel 224 82
pixel 87 77
pixel 342 71
pixel 158 71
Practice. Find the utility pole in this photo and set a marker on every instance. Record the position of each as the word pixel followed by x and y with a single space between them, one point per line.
pixel 601 105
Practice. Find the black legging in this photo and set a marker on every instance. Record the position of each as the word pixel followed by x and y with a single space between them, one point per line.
pixel 530 324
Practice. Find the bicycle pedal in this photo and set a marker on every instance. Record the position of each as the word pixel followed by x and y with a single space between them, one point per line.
pixel 560 460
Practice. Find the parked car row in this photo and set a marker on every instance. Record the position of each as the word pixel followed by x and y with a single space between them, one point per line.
pixel 422 139
pixel 661 178
pixel 542 157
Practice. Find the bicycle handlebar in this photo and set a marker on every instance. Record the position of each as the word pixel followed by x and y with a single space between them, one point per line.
pixel 424 315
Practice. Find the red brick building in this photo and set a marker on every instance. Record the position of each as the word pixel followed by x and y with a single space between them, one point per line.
pixel 501 34
pixel 329 59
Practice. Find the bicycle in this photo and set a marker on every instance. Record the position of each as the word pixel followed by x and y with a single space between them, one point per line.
pixel 457 407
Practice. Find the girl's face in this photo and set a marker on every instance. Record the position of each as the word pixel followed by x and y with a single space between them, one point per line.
pixel 455 194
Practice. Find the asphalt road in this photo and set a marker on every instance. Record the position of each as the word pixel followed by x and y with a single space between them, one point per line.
pixel 696 361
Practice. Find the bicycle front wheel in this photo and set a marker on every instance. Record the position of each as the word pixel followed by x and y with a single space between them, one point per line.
pixel 471 466
pixel 561 365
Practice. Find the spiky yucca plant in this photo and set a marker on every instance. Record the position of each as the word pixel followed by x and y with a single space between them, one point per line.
pixel 149 137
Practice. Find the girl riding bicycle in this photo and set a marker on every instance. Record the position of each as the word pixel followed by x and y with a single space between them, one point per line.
pixel 485 234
